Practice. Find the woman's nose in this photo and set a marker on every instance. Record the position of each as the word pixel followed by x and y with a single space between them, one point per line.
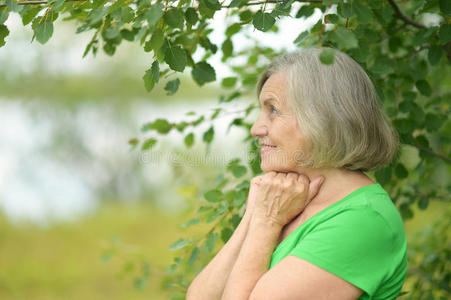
pixel 259 129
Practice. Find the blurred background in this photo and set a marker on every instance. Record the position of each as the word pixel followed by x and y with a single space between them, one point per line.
pixel 82 215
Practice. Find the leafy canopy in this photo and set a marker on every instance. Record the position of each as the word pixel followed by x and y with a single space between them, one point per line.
pixel 404 46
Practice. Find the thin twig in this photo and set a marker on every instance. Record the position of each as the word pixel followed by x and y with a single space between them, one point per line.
pixel 275 1
pixel 424 149
pixel 38 2
pixel 404 17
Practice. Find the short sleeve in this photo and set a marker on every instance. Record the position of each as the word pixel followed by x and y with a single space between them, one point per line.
pixel 355 245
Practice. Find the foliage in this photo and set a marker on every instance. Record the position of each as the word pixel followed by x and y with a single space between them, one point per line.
pixel 405 47
pixel 430 256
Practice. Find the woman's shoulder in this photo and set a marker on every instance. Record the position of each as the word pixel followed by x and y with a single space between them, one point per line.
pixel 369 208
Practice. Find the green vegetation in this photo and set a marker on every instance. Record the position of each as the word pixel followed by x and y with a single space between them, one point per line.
pixel 404 46
pixel 99 257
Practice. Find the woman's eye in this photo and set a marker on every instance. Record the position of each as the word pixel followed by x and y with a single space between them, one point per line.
pixel 274 110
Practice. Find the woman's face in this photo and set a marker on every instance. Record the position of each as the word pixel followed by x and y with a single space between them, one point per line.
pixel 277 128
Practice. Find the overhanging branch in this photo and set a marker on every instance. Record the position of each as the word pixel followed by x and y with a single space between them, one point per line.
pixel 37 2
pixel 424 149
pixel 404 17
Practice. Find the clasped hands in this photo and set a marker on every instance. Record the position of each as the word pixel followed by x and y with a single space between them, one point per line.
pixel 279 197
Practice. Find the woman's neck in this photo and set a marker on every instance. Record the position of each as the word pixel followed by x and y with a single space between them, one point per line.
pixel 338 182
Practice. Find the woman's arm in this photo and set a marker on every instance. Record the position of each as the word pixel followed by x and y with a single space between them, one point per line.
pixel 254 258
pixel 210 282
pixel 280 198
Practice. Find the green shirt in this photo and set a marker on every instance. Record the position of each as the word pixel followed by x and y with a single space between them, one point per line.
pixel 359 238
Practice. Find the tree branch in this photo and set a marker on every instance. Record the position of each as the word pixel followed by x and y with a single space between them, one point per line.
pixel 275 1
pixel 424 149
pixel 404 17
pixel 37 2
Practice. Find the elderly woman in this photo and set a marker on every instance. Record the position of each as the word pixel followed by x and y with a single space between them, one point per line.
pixel 316 226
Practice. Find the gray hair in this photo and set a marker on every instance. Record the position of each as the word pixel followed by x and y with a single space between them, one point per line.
pixel 337 109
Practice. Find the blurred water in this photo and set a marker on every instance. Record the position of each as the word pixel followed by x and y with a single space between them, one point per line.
pixel 56 164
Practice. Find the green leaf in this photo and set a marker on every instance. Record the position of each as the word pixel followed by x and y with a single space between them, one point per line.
pixel 111 33
pixel 179 244
pixel 190 223
pixel 424 87
pixel 212 4
pixel 189 140
pixel 174 18
pixel 193 256
pixel 181 126
pixel 229 82
pixel 172 86
pixel 383 176
pixel 345 9
pixel 238 171
pixel 4 16
pixel 149 81
pixel 226 233
pixel 203 73
pixel 281 9
pixel 127 35
pixel 227 48
pixel 127 14
pixel 235 220
pixel 401 171
pixel 154 13
pixel 381 68
pixel 175 56
pixel 198 121
pixel 205 12
pixel 435 54
pixel 191 16
pixel 237 3
pixel 327 56
pixel 422 141
pixel 96 15
pixel 156 41
pixel 233 29
pixel 148 144
pixel 3 34
pixel 423 203
pixel 404 125
pixel 363 12
pixel 155 68
pixel 445 7
pixel 210 241
pixel 318 27
pixel 305 11
pixel 13 6
pixel 432 122
pixel 43 31
pixel 213 196
pixel 246 16
pixel 445 33
pixel 331 19
pixel 263 21
pixel 301 37
pixel 161 125
pixel 28 14
pixel 344 38
pixel 208 135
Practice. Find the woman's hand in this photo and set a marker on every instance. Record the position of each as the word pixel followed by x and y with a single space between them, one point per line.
pixel 252 196
pixel 279 197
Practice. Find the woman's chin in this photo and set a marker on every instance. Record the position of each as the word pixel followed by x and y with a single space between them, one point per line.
pixel 266 168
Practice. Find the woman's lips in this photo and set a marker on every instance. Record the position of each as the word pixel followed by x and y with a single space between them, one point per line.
pixel 266 149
